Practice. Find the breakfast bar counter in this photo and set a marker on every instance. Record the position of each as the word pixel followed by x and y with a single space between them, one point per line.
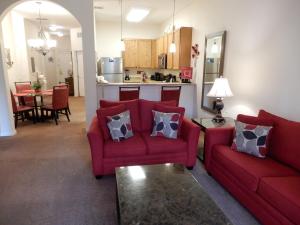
pixel 152 91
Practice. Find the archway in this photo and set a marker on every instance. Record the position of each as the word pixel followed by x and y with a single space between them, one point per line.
pixel 84 14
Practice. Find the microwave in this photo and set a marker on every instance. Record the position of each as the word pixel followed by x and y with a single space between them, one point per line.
pixel 162 61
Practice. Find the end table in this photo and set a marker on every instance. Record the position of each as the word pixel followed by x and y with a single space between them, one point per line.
pixel 206 123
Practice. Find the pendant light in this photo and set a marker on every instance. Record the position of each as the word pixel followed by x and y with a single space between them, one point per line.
pixel 122 44
pixel 42 44
pixel 172 48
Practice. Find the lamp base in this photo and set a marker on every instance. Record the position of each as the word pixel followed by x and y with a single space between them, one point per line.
pixel 219 105
pixel 218 119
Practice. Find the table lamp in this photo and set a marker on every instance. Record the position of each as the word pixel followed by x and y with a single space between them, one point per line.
pixel 220 90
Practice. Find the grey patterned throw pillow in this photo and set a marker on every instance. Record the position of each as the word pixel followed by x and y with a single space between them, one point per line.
pixel 120 126
pixel 165 124
pixel 251 139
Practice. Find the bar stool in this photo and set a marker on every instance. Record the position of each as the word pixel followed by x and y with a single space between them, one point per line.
pixel 129 93
pixel 170 93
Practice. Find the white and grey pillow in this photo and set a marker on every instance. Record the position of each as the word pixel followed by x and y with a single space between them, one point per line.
pixel 251 139
pixel 165 124
pixel 120 126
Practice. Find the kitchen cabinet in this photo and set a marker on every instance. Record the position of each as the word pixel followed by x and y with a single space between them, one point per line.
pixel 154 55
pixel 169 54
pixel 144 53
pixel 131 53
pixel 160 46
pixel 144 56
pixel 183 41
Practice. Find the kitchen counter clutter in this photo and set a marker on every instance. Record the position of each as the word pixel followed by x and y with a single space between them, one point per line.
pixel 152 91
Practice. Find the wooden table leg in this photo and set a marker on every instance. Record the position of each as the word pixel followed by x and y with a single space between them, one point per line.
pixel 36 109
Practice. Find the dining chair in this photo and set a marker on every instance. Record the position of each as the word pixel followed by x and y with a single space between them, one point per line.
pixel 170 93
pixel 59 103
pixel 23 86
pixel 21 111
pixel 61 83
pixel 129 93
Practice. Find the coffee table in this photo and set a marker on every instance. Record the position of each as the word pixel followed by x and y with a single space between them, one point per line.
pixel 164 194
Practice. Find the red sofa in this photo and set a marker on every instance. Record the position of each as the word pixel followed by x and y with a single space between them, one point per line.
pixel 270 187
pixel 142 148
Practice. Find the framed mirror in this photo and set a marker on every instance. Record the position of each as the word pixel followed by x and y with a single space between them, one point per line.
pixel 213 67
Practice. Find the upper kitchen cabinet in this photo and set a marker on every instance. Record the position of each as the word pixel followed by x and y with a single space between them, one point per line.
pixel 160 46
pixel 169 55
pixel 144 56
pixel 138 54
pixel 154 54
pixel 183 41
pixel 131 53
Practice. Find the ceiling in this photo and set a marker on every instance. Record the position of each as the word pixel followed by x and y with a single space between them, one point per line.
pixel 160 10
pixel 54 14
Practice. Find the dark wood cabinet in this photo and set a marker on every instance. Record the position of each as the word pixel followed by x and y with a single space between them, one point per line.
pixel 70 82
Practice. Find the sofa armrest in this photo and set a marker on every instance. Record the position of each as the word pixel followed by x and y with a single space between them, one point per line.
pixel 190 132
pixel 216 136
pixel 96 141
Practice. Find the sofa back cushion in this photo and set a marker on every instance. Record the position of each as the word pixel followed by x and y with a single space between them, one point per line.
pixel 102 115
pixel 285 140
pixel 132 106
pixel 146 116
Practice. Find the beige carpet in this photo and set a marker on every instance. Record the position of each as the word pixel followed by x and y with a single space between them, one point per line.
pixel 46 178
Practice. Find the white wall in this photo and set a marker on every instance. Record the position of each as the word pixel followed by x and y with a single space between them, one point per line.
pixel 108 35
pixel 262 52
pixel 15 41
pixel 84 13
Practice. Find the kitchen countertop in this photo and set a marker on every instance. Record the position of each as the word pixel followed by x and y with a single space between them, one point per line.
pixel 156 83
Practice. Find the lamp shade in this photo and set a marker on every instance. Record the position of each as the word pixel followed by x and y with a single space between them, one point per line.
pixel 220 89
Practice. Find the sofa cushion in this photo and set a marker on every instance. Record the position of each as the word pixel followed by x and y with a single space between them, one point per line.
pixel 133 146
pixel 171 109
pixel 254 120
pixel 161 145
pixel 132 106
pixel 248 169
pixel 165 124
pixel 102 115
pixel 251 139
pixel 120 126
pixel 284 144
pixel 146 108
pixel 283 193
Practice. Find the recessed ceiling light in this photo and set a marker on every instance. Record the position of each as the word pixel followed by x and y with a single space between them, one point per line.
pixel 137 15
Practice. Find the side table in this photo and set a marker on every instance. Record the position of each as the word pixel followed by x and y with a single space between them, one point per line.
pixel 206 123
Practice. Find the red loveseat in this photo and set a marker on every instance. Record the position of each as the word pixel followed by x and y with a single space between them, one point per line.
pixel 142 148
pixel 270 187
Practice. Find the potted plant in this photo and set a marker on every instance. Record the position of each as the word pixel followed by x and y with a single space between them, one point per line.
pixel 36 86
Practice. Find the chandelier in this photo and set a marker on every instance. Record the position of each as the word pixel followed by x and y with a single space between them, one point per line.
pixel 42 44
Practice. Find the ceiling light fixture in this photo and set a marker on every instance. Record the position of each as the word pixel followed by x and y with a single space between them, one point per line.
pixel 55 27
pixel 42 44
pixel 172 48
pixel 122 44
pixel 137 15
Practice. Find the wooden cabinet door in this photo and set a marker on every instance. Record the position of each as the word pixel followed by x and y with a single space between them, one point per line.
pixel 154 54
pixel 144 53
pixel 130 54
pixel 160 45
pixel 169 55
pixel 166 47
pixel 185 46
pixel 177 53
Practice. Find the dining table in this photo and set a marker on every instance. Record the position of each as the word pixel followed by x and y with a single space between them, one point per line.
pixel 35 94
